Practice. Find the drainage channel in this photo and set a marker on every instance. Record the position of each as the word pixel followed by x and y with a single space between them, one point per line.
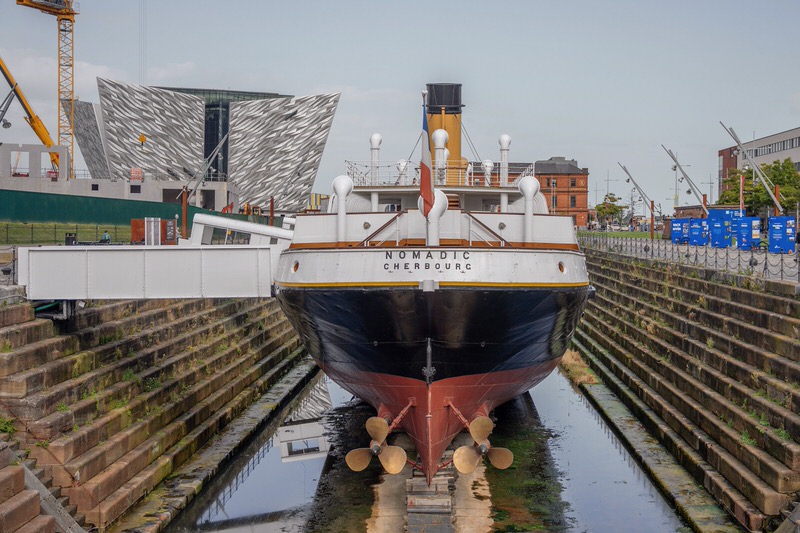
pixel 292 478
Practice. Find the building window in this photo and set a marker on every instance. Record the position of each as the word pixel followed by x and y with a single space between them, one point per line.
pixel 554 201
pixel 95 186
pixel 136 189
pixel 573 201
pixel 572 182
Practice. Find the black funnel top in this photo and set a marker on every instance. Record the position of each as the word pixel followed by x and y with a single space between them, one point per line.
pixel 447 95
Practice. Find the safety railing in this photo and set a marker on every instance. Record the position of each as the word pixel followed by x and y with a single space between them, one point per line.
pixel 49 173
pixel 754 262
pixel 44 233
pixel 407 174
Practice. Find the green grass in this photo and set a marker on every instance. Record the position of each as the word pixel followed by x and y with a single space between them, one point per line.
pixel 52 233
pixel 7 426
pixel 747 439
pixel 151 384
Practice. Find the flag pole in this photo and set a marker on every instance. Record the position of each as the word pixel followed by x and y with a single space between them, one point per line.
pixel 425 178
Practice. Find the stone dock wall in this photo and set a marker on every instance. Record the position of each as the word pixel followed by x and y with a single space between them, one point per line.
pixel 111 403
pixel 710 364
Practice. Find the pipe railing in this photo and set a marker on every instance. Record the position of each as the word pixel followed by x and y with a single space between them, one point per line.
pixel 382 174
pixel 756 262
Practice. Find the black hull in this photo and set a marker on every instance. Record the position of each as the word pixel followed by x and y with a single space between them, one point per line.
pixel 470 331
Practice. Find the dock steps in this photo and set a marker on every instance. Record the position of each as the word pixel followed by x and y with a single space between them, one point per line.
pixel 710 369
pixel 113 402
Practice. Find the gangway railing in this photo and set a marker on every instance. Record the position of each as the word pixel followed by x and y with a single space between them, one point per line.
pixel 193 269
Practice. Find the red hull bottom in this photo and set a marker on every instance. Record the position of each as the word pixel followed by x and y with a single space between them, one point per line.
pixel 431 421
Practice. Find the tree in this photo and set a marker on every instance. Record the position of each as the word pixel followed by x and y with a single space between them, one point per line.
pixel 610 210
pixel 756 198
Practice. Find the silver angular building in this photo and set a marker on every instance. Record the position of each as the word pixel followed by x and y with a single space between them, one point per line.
pixel 276 147
pixel 172 125
pixel 88 133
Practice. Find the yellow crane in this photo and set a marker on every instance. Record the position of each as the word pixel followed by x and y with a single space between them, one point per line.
pixel 65 12
pixel 31 118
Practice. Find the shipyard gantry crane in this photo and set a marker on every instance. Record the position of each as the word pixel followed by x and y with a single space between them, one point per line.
pixel 64 11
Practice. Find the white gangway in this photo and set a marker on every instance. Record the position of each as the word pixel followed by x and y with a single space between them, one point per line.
pixel 193 269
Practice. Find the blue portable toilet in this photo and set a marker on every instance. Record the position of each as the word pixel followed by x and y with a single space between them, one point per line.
pixel 748 232
pixel 782 235
pixel 698 231
pixel 679 230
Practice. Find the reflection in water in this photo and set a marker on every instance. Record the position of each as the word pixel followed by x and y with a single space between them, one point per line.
pixel 274 483
pixel 274 480
pixel 605 487
pixel 302 435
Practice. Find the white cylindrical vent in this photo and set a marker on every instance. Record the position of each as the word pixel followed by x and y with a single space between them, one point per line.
pixel 342 187
pixel 488 166
pixel 441 176
pixel 439 138
pixel 528 187
pixel 374 148
pixel 402 172
pixel 505 142
pixel 436 212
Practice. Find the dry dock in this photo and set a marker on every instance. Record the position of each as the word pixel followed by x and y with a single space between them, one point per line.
pixel 107 408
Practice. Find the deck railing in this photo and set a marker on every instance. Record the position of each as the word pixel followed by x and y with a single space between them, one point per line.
pixel 455 173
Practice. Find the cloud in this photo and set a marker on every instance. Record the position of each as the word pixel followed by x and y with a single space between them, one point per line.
pixel 170 74
pixel 86 75
pixel 37 77
pixel 794 102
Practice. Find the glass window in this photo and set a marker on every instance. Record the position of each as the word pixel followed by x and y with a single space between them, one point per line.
pixel 572 182
pixel 572 201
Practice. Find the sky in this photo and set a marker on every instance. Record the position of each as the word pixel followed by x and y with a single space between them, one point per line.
pixel 601 82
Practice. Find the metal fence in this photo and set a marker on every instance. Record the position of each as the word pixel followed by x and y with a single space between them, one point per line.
pixel 759 263
pixel 44 233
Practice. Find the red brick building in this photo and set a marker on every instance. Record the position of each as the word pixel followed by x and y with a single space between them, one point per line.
pixel 562 182
pixel 566 187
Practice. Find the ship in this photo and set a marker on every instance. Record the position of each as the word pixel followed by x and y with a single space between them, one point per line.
pixel 434 291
